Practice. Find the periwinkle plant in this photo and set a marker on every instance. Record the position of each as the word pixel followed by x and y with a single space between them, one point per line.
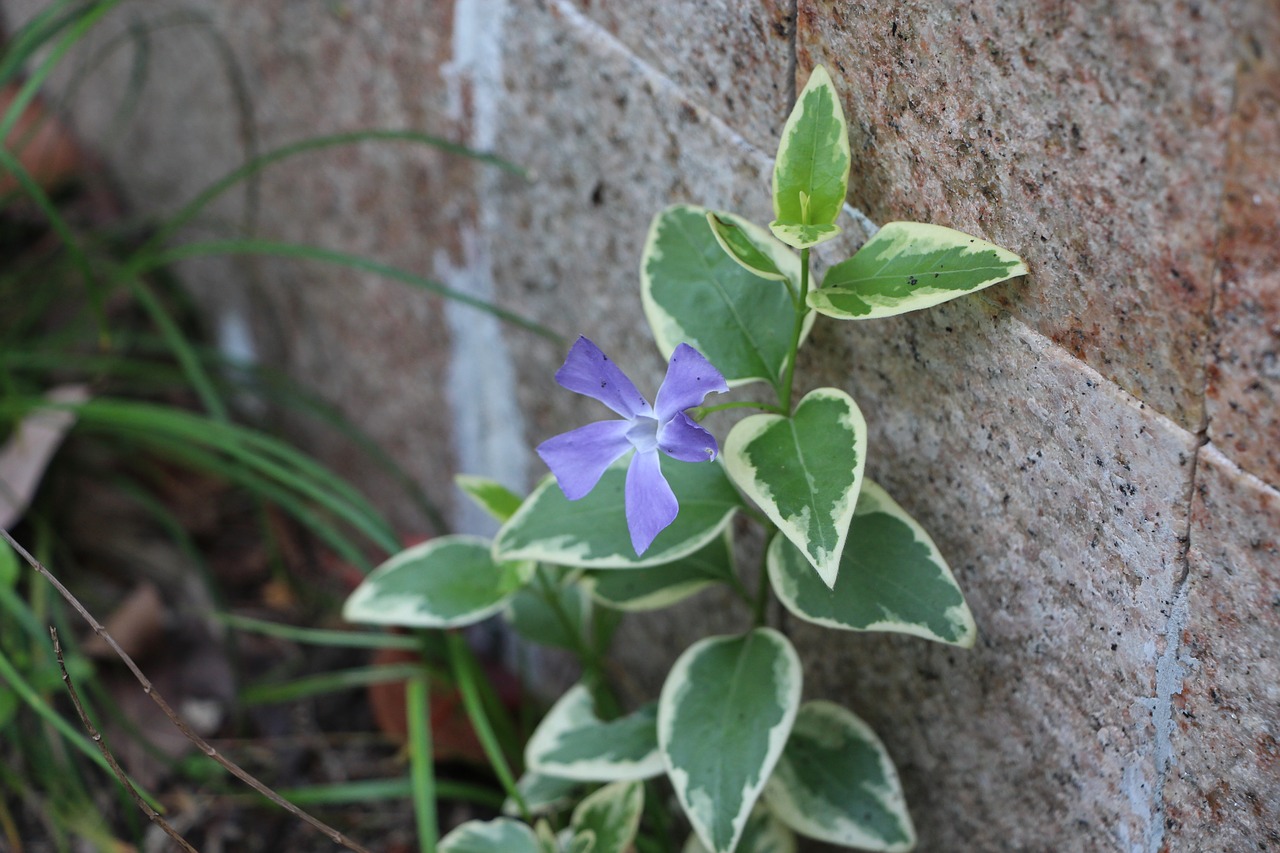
pixel 640 519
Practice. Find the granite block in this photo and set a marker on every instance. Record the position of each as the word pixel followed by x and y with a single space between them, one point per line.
pixel 733 58
pixel 1223 787
pixel 1087 137
pixel 1060 503
pixel 1243 394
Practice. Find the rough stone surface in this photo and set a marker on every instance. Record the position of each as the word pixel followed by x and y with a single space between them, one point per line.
pixel 1244 368
pixel 1223 791
pixel 733 58
pixel 1087 137
pixel 1058 501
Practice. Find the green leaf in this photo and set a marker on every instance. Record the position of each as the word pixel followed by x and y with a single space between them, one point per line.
pixel 892 578
pixel 751 246
pixel 907 266
pixel 442 583
pixel 572 742
pixel 612 814
pixel 662 586
pixel 804 471
pixel 584 842
pixel 503 835
pixel 811 171
pixel 836 783
pixel 9 568
pixel 541 793
pixel 490 495
pixel 695 293
pixel 764 834
pixel 592 532
pixel 539 621
pixel 804 236
pixel 723 718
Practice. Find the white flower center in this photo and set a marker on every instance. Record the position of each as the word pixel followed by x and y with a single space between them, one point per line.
pixel 643 434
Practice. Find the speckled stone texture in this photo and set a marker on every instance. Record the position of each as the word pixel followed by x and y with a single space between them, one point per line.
pixel 1244 368
pixel 732 58
pixel 1223 791
pixel 1088 137
pixel 1059 502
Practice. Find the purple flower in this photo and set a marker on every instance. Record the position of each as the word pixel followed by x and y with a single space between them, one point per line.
pixel 579 458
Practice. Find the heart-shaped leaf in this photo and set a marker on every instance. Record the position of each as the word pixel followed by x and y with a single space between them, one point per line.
pixel 723 718
pixel 811 171
pixel 836 783
pixel 592 532
pixel 695 293
pixel 442 583
pixel 892 578
pixel 503 835
pixel 764 834
pixel 661 586
pixel 571 742
pixel 907 266
pixel 804 471
pixel 612 815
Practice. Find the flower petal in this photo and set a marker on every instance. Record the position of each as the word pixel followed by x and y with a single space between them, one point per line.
pixel 681 438
pixel 579 457
pixel 589 372
pixel 651 505
pixel 690 378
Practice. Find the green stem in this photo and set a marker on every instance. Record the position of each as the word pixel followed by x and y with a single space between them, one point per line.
pixel 762 589
pixel 700 412
pixel 421 761
pixel 588 657
pixel 460 659
pixel 802 310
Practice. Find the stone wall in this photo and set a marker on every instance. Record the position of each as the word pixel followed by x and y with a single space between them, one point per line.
pixel 1096 448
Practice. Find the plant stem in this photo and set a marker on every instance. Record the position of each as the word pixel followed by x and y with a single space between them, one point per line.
pixel 460 658
pixel 762 588
pixel 421 760
pixel 588 657
pixel 802 311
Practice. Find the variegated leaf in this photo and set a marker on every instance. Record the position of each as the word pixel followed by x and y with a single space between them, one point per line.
pixel 612 815
pixel 442 583
pixel 892 578
pixel 662 586
pixel 572 742
pixel 541 794
pixel 695 293
pixel 503 835
pixel 907 266
pixel 804 471
pixel 592 532
pixel 764 834
pixel 811 171
pixel 723 718
pixel 836 783
pixel 490 495
pixel 755 249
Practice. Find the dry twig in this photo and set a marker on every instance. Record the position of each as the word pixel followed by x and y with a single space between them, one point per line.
pixel 204 746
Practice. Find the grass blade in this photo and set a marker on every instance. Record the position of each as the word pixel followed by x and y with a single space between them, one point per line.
pixel 421 761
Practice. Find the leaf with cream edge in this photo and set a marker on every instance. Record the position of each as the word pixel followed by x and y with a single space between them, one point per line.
pixel 695 293
pixel 907 266
pixel 612 814
pixel 804 471
pixel 764 834
pixel 751 246
pixel 445 582
pixel 811 171
pixel 663 586
pixel 723 718
pixel 503 835
pixel 892 578
pixel 592 532
pixel 490 495
pixel 541 794
pixel 836 783
pixel 572 742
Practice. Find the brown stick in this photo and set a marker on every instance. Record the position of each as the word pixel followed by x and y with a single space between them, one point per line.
pixel 204 746
pixel 106 752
